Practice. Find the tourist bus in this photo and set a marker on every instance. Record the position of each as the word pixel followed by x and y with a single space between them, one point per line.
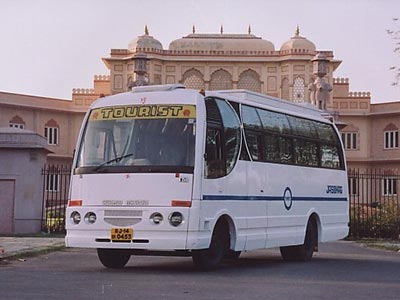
pixel 164 170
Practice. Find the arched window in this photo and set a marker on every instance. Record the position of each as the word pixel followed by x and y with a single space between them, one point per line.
pixel 17 122
pixel 298 90
pixel 351 137
pixel 193 79
pixel 391 136
pixel 250 80
pixel 51 132
pixel 285 89
pixel 221 80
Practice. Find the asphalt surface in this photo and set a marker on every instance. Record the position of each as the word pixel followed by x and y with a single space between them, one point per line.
pixel 341 270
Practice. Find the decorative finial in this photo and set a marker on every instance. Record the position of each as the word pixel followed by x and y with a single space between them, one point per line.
pixel 222 29
pixel 194 29
pixel 146 30
pixel 297 32
pixel 249 30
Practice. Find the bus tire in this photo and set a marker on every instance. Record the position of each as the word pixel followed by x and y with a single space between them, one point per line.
pixel 232 255
pixel 113 258
pixel 303 252
pixel 211 258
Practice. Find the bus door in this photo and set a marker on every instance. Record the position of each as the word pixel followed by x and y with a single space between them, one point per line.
pixel 225 185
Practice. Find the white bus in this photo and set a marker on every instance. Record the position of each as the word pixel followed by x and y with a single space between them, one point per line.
pixel 165 170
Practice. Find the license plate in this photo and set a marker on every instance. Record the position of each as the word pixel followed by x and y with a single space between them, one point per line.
pixel 121 234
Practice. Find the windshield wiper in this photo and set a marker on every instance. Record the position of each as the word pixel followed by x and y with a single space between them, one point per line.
pixel 116 159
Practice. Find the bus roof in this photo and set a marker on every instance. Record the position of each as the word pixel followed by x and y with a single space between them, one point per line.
pixel 281 105
pixel 169 92
pixel 158 94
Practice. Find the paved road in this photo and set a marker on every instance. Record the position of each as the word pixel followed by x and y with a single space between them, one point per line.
pixel 341 270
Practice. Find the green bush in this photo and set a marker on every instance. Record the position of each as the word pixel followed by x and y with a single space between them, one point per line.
pixel 382 220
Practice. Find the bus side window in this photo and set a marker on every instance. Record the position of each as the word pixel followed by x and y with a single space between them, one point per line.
pixel 223 138
pixel 215 164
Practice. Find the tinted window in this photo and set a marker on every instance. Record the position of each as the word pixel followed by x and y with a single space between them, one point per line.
pixel 303 127
pixel 330 157
pixel 232 136
pixel 273 121
pixel 279 138
pixel 285 150
pixel 215 163
pixel 254 144
pixel 326 133
pixel 305 152
pixel 223 138
pixel 250 117
pixel 271 147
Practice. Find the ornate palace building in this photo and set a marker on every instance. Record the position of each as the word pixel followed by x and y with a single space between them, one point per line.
pixel 214 62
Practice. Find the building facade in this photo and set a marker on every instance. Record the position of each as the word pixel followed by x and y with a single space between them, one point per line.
pixel 219 61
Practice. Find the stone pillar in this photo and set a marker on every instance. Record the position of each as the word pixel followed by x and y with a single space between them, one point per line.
pixel 140 70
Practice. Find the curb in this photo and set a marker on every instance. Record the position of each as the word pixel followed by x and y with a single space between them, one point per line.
pixel 30 252
pixel 14 249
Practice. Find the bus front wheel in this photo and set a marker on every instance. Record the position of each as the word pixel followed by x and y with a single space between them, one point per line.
pixel 303 252
pixel 113 258
pixel 211 258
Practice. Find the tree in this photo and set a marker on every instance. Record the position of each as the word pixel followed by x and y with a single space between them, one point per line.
pixel 395 34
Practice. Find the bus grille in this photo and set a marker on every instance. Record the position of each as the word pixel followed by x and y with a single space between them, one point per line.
pixel 122 221
pixel 122 217
pixel 123 213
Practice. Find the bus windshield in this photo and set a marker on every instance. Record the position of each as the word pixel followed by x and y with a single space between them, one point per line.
pixel 157 138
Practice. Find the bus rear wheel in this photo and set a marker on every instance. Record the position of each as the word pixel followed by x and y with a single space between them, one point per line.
pixel 211 258
pixel 303 252
pixel 113 258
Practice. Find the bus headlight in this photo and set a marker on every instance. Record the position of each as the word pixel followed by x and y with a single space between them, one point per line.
pixel 75 217
pixel 90 218
pixel 156 218
pixel 175 219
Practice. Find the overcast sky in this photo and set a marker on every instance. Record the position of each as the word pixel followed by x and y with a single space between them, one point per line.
pixel 49 47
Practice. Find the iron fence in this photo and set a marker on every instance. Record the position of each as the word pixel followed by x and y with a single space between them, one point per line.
pixel 56 180
pixel 374 204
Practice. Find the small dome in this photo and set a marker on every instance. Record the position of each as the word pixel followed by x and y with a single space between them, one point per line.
pixel 145 41
pixel 221 42
pixel 298 42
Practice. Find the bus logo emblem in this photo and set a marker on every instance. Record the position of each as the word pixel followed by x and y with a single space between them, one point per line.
pixel 287 198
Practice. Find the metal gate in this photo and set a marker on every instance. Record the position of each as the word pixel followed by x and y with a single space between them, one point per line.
pixel 56 180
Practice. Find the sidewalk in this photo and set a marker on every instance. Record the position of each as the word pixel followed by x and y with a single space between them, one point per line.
pixel 19 246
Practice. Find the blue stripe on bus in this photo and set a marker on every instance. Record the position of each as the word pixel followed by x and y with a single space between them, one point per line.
pixel 269 198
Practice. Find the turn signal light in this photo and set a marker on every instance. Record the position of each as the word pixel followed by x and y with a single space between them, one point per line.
pixel 75 203
pixel 181 203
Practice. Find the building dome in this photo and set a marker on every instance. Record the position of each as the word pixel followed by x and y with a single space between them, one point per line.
pixel 221 42
pixel 145 41
pixel 298 43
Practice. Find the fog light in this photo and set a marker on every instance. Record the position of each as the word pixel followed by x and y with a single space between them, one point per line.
pixel 156 218
pixel 75 217
pixel 90 218
pixel 176 218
